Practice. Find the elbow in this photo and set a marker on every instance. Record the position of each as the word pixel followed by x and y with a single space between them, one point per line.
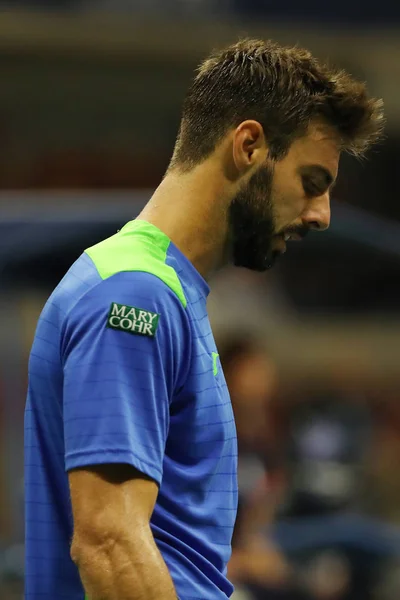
pixel 92 546
pixel 75 553
pixel 95 557
pixel 103 546
pixel 101 542
pixel 78 551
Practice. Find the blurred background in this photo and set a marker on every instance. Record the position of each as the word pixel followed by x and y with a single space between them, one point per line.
pixel 90 102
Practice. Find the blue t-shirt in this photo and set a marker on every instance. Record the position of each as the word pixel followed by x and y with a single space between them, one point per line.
pixel 124 369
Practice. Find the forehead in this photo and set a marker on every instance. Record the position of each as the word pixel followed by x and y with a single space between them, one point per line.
pixel 320 146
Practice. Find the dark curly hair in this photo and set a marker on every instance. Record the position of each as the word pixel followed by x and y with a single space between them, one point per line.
pixel 284 89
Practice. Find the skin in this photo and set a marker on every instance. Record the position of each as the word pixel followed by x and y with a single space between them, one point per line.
pixel 113 546
pixel 193 208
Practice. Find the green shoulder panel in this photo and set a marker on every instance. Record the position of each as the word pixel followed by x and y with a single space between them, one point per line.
pixel 139 246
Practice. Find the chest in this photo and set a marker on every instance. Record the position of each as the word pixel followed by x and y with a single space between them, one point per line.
pixel 202 421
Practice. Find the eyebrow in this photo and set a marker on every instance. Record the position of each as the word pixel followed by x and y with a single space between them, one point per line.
pixel 321 172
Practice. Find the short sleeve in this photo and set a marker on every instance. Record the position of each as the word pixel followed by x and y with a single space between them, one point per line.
pixel 125 352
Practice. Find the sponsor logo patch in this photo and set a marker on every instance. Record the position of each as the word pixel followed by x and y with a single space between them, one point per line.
pixel 132 319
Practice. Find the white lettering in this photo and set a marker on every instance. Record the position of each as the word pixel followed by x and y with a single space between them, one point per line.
pixel 147 329
pixel 125 323
pixel 137 326
pixel 132 313
pixel 118 312
pixel 132 319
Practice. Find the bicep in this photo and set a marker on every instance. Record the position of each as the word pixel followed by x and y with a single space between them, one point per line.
pixel 108 500
pixel 118 385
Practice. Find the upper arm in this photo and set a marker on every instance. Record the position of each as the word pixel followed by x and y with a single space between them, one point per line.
pixel 108 501
pixel 118 384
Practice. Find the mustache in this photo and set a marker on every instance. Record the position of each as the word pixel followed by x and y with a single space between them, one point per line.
pixel 299 230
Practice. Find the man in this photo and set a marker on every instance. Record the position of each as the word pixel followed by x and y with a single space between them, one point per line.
pixel 130 438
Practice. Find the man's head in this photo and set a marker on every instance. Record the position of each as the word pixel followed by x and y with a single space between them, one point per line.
pixel 276 120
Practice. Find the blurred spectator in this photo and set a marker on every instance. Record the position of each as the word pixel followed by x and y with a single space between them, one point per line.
pixel 335 552
pixel 329 436
pixel 256 565
pixel 299 532
pixel 382 499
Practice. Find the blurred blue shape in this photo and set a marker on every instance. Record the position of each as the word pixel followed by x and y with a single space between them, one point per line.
pixel 297 535
pixel 33 223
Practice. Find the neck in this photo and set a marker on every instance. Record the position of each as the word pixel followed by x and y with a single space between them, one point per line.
pixel 192 210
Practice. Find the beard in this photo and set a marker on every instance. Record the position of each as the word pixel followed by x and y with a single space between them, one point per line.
pixel 252 223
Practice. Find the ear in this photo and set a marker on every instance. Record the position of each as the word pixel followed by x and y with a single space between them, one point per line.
pixel 249 146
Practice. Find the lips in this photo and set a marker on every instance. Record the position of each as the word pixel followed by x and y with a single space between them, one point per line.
pixel 292 236
pixel 280 244
pixel 288 236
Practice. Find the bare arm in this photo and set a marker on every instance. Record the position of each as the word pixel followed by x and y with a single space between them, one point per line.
pixel 113 546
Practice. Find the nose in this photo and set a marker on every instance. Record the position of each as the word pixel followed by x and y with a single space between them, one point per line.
pixel 317 215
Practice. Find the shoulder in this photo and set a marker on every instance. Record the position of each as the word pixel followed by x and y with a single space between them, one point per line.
pixel 138 248
pixel 133 282
pixel 130 293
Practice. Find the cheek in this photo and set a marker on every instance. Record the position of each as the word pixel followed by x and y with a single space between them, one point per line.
pixel 288 199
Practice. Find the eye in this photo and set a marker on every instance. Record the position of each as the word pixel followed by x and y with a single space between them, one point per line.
pixel 311 188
